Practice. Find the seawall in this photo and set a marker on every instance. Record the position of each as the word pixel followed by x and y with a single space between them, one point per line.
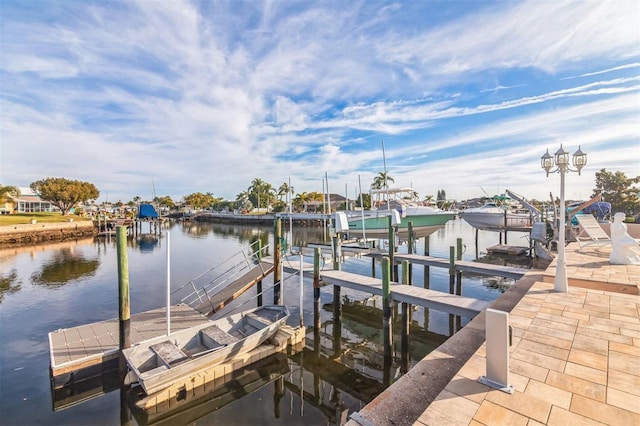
pixel 41 232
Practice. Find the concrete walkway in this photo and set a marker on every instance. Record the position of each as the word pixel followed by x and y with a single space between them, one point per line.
pixel 575 358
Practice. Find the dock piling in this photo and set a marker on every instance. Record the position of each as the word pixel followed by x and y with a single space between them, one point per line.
pixel 316 300
pixel 387 334
pixel 404 342
pixel 277 246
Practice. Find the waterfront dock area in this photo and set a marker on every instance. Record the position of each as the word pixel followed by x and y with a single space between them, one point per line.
pixel 87 345
pixel 574 359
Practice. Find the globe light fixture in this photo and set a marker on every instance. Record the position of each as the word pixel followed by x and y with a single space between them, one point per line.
pixel 560 160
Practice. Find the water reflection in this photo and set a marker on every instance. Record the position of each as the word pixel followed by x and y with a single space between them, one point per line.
pixel 64 266
pixel 148 242
pixel 9 283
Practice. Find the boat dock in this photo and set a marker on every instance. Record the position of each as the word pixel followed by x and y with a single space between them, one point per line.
pixel 450 303
pixel 459 265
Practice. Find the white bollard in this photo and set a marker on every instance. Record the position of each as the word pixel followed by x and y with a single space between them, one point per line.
pixel 497 336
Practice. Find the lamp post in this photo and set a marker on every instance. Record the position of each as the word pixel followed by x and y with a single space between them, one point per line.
pixel 561 162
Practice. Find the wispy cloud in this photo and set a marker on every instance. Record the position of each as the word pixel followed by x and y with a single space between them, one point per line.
pixel 207 96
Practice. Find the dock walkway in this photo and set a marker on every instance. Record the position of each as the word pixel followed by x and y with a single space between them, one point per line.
pixel 450 303
pixel 460 265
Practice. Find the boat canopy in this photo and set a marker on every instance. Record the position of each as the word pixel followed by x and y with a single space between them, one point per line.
pixel 147 211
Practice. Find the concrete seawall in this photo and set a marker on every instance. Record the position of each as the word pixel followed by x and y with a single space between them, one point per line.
pixel 41 232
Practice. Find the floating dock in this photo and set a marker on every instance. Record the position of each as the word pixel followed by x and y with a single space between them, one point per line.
pixel 92 344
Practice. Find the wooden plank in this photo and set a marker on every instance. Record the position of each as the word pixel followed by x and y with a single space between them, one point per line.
pixel 445 302
pixel 464 266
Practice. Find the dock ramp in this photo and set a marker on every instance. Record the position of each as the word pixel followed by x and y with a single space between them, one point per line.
pixel 214 289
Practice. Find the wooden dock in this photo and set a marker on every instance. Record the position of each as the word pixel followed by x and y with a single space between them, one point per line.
pixel 450 303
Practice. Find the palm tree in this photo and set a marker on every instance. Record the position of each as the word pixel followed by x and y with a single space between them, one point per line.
pixel 381 181
pixel 285 190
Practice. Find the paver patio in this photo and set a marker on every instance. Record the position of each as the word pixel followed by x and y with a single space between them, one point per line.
pixel 575 358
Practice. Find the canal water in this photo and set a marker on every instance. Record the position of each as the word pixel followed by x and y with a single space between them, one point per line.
pixel 70 283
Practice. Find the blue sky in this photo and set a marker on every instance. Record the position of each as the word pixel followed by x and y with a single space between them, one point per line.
pixel 186 96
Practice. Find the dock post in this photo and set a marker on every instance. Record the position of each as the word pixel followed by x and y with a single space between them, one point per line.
pixel 392 249
pixel 337 305
pixel 426 280
pixel 373 267
pixel 410 242
pixel 124 315
pixel 404 342
pixel 426 267
pixel 458 280
pixel 505 227
pixel 277 245
pixel 259 283
pixel 316 300
pixel 387 322
pixel 452 282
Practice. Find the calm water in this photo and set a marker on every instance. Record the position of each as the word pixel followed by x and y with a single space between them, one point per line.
pixel 66 284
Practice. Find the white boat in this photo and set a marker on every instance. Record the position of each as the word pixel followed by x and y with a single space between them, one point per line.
pixel 157 362
pixel 495 217
pixel 376 221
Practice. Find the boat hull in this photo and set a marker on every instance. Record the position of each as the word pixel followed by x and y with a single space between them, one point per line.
pixel 496 221
pixel 154 368
pixel 378 223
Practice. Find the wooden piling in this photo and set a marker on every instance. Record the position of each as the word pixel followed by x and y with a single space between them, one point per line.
pixel 277 278
pixel 410 242
pixel 426 267
pixel 458 279
pixel 404 342
pixel 337 304
pixel 452 283
pixel 259 283
pixel 124 311
pixel 387 322
pixel 392 249
pixel 316 300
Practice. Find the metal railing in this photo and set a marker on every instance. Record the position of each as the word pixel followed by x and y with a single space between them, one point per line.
pixel 200 289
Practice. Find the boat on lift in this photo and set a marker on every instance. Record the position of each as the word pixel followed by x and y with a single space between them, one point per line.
pixel 498 215
pixel 425 219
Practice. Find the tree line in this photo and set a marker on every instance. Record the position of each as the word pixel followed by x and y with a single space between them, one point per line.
pixel 615 187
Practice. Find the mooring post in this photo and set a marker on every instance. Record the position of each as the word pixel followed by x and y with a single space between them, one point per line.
pixel 505 227
pixel 316 300
pixel 124 315
pixel 426 281
pixel 277 277
pixel 337 305
pixel 373 267
pixel 459 280
pixel 452 282
pixel 410 241
pixel 404 342
pixel 392 249
pixel 259 283
pixel 426 267
pixel 387 333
